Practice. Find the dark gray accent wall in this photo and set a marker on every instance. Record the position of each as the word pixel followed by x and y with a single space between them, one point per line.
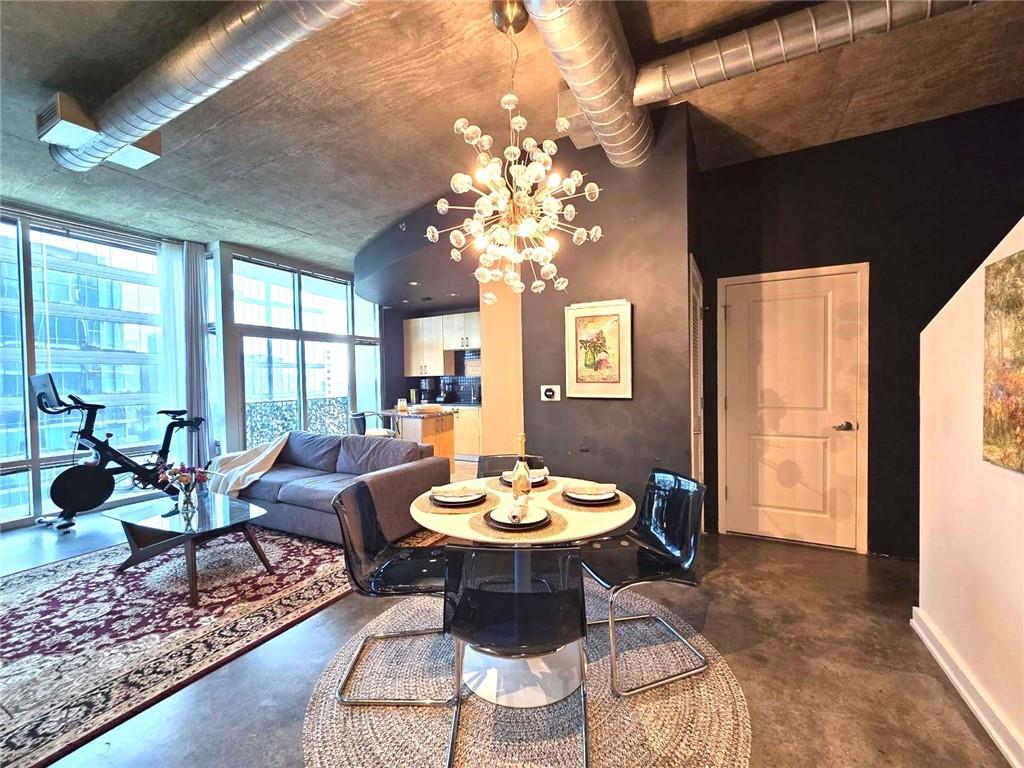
pixel 643 257
pixel 924 205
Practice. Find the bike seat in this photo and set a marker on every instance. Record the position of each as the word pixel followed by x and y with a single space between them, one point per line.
pixel 173 414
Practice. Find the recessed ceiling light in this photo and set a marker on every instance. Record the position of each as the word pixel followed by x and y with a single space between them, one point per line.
pixel 413 283
pixel 405 301
pixel 453 294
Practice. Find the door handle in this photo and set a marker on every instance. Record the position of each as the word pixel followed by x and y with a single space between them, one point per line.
pixel 846 426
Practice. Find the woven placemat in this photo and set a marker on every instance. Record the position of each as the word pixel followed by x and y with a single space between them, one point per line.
pixel 557 525
pixel 495 484
pixel 491 501
pixel 559 502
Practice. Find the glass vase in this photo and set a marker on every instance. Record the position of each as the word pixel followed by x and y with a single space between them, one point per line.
pixel 186 499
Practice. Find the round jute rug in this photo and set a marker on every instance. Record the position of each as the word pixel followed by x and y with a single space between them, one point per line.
pixel 699 722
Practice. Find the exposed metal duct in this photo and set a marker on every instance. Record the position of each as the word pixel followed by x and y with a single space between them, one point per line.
pixel 232 44
pixel 801 33
pixel 588 45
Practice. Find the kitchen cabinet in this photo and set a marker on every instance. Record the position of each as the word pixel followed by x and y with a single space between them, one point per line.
pixel 467 432
pixel 472 325
pixel 453 331
pixel 436 429
pixel 461 331
pixel 424 349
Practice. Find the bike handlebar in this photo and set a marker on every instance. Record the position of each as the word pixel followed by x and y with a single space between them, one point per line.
pixel 80 404
pixel 41 404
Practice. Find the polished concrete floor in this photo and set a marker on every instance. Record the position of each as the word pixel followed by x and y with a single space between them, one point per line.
pixel 819 641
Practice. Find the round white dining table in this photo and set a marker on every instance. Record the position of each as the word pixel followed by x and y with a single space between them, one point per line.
pixel 531 681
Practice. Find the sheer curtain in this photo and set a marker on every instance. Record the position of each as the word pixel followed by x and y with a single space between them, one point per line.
pixel 197 399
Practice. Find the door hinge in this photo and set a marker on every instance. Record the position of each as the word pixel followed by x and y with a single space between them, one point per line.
pixel 725 403
pixel 727 493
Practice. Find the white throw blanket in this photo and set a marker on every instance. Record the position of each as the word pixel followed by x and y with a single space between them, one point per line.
pixel 232 472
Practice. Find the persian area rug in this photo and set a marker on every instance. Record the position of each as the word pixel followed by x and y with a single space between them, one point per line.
pixel 83 647
pixel 698 722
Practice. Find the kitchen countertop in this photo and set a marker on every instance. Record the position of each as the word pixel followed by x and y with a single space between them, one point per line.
pixel 411 415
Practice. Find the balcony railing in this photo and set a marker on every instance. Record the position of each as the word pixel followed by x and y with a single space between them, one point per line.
pixel 266 420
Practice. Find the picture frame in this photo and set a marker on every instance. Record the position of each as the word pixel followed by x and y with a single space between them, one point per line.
pixel 599 349
pixel 1002 414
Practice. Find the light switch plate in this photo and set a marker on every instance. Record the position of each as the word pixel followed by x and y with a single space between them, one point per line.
pixel 550 392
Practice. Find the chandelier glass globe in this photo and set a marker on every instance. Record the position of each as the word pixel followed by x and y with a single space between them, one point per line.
pixel 517 205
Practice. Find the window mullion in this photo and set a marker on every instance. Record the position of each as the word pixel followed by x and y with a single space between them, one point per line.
pixel 300 353
pixel 28 338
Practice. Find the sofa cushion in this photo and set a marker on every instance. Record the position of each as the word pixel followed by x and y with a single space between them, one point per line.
pixel 360 454
pixel 305 449
pixel 316 492
pixel 268 486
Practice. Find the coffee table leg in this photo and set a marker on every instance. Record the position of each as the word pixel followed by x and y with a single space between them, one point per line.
pixel 193 579
pixel 251 538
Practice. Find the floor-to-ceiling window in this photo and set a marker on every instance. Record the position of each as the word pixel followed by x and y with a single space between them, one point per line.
pixel 16 475
pixel 310 350
pixel 101 313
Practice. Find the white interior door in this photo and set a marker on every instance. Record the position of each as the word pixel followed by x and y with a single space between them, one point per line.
pixel 795 398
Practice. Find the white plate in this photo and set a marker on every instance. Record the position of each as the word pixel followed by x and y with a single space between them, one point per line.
pixel 459 499
pixel 533 515
pixel 537 476
pixel 591 496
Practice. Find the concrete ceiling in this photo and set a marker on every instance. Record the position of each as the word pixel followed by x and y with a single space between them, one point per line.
pixel 959 61
pixel 317 151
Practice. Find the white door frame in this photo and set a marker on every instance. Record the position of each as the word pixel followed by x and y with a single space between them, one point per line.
pixel 863 272
pixel 696 398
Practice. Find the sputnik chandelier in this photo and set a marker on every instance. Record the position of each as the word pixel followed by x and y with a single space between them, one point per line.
pixel 520 202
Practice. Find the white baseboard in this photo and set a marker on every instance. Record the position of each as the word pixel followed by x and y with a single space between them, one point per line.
pixel 1004 733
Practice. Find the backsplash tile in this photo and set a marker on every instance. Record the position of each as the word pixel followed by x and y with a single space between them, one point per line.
pixel 467 387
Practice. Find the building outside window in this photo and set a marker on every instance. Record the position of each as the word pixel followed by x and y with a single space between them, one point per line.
pixel 106 322
pixel 103 313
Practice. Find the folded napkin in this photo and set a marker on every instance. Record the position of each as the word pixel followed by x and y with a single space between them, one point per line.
pixel 592 488
pixel 517 513
pixel 534 473
pixel 455 491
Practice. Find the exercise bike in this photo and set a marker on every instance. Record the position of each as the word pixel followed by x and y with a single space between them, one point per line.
pixel 89 483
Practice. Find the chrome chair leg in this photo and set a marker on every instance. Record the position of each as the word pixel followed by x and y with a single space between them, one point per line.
pixel 361 701
pixel 460 648
pixel 702 662
pixel 583 702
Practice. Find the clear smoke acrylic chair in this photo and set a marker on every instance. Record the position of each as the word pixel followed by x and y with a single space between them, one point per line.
pixel 662 546
pixel 378 568
pixel 538 616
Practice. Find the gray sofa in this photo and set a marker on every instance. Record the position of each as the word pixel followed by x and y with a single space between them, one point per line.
pixel 312 469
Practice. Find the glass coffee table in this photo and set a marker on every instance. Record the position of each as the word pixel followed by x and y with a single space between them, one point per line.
pixel 157 525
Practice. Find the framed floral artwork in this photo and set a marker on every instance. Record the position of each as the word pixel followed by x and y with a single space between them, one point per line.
pixel 599 349
pixel 1003 416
